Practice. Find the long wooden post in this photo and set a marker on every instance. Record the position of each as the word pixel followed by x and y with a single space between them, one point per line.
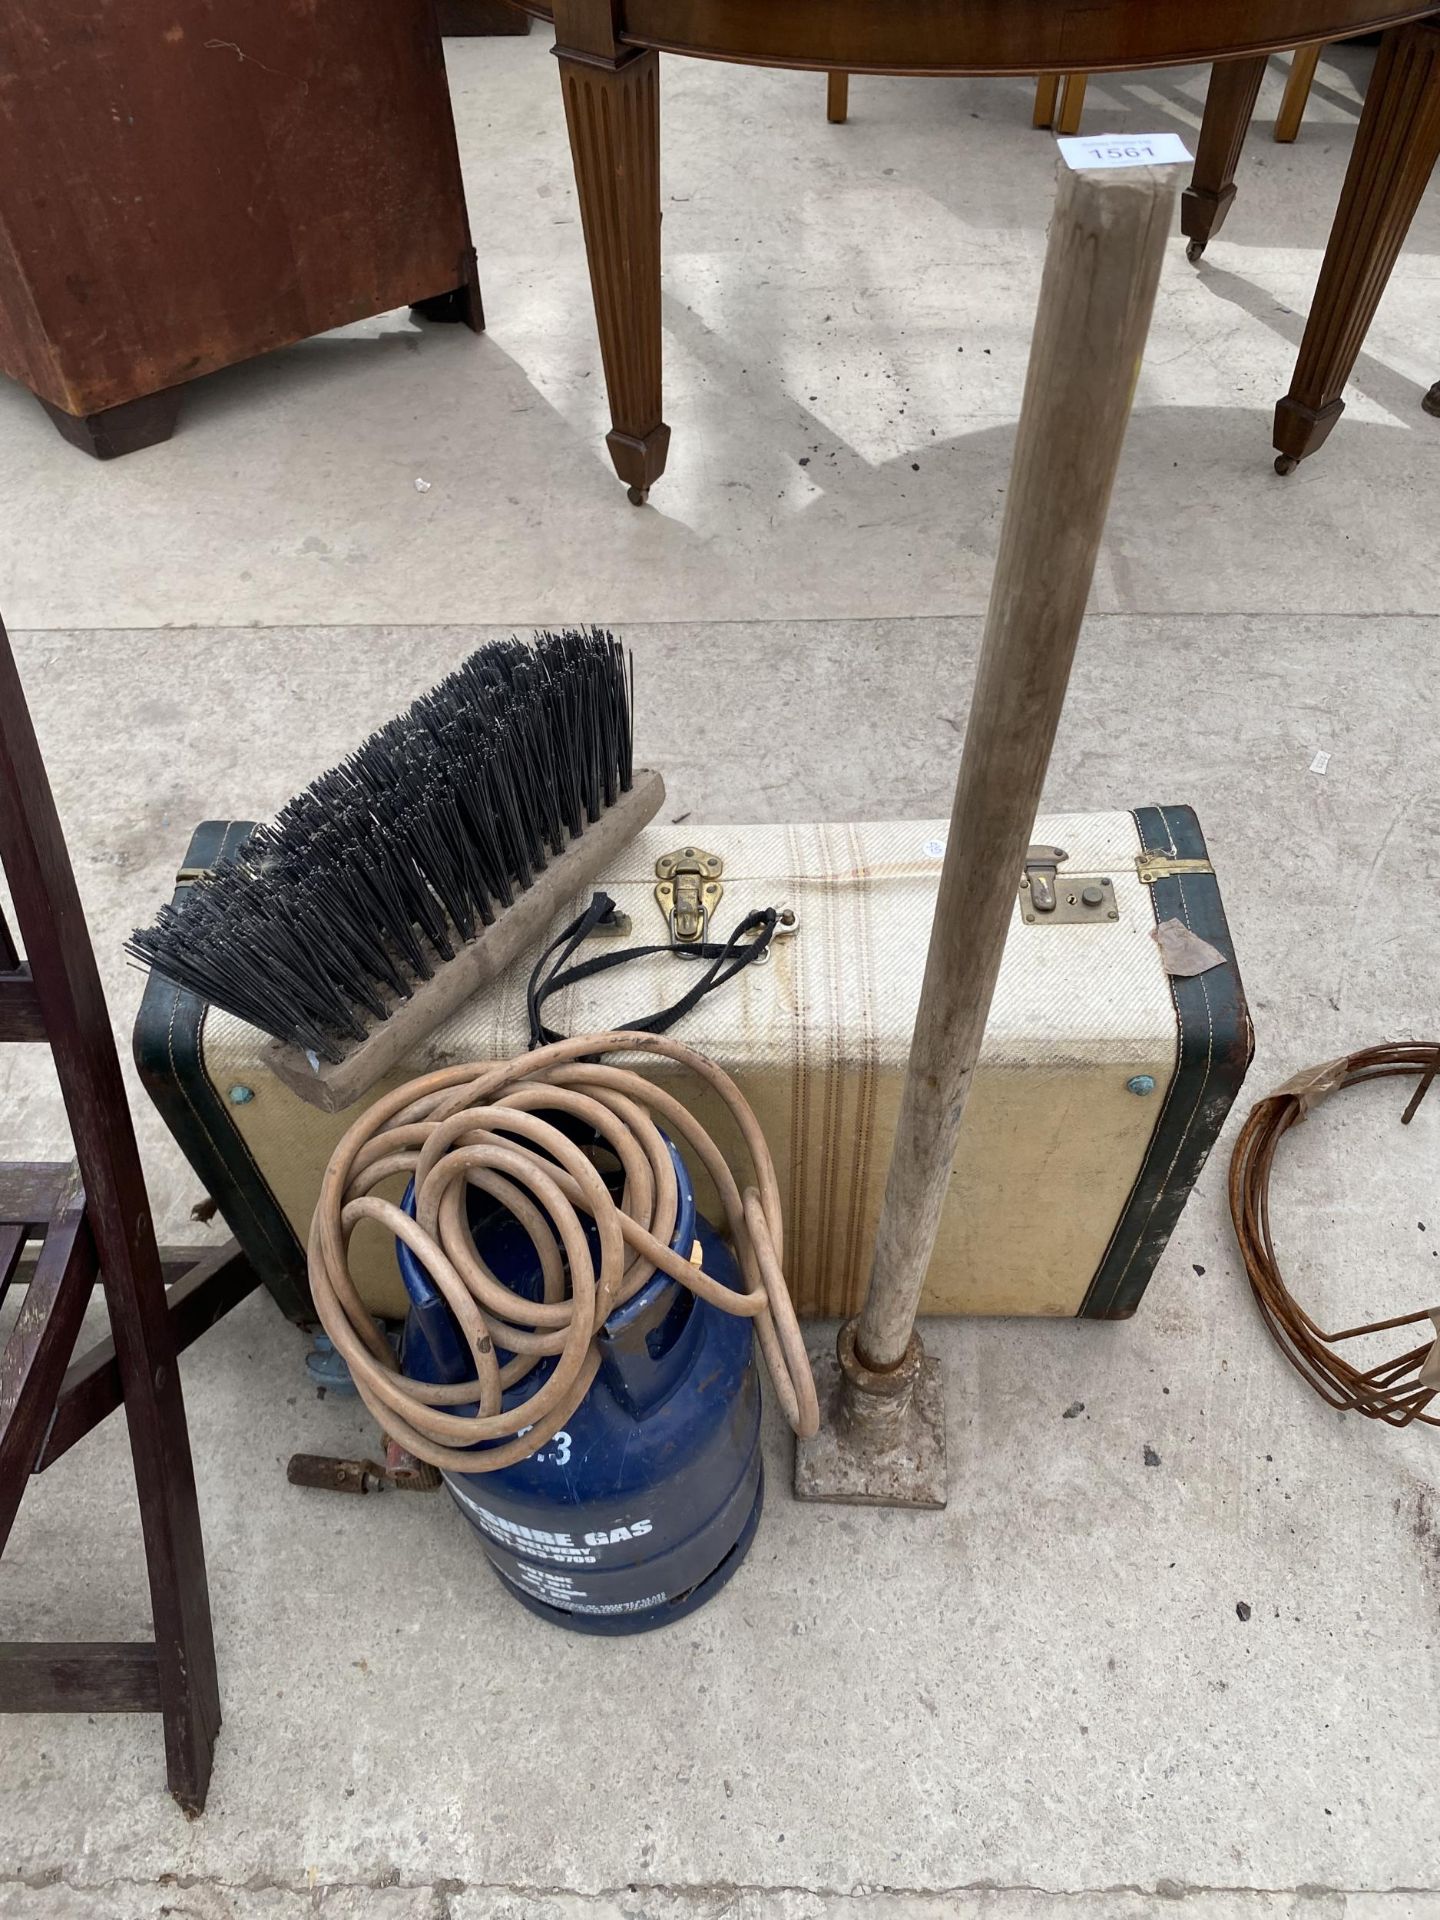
pixel 883 1440
pixel 1101 270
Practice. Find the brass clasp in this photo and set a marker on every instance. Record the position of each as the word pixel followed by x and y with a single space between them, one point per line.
pixel 688 893
pixel 1041 866
pixel 1064 900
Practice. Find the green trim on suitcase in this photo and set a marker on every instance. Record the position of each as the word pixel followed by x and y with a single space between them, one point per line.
pixel 1216 1042
pixel 169 1032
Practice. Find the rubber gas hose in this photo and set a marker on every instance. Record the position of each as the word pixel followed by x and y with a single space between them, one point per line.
pixel 483 1125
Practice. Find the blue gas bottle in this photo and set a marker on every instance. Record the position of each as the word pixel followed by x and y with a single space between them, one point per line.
pixel 647 1501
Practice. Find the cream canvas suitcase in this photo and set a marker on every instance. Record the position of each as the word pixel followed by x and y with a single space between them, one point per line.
pixel 1104 1078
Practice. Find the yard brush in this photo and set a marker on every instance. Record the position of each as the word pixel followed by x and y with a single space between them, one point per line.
pixel 381 898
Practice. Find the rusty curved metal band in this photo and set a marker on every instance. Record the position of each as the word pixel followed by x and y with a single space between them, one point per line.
pixel 1396 1390
pixel 481 1125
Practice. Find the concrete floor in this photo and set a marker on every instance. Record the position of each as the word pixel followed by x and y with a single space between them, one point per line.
pixel 1041 1703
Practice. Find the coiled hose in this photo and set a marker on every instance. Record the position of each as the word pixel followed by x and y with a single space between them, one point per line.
pixel 456 1128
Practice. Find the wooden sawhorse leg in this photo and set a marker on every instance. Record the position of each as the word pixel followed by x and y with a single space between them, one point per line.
pixel 102 1225
pixel 1229 103
pixel 612 110
pixel 1396 146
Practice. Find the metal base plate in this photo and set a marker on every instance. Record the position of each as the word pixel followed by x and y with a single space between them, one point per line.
pixel 836 1465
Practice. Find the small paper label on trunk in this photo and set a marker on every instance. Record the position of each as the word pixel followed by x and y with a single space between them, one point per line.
pixel 1084 152
pixel 1184 953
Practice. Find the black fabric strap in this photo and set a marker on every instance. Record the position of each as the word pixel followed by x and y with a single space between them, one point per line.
pixel 726 961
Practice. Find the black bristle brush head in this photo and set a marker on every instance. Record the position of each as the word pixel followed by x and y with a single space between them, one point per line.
pixel 365 883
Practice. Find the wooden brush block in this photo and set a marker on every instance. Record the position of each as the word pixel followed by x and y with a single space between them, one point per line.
pixel 334 1085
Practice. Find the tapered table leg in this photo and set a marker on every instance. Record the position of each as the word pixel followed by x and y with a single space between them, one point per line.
pixel 1072 103
pixel 1303 63
pixel 612 110
pixel 1229 103
pixel 1047 99
pixel 1396 147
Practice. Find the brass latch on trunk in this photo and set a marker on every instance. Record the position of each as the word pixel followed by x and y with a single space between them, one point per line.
pixel 1041 865
pixel 689 891
pixel 1047 895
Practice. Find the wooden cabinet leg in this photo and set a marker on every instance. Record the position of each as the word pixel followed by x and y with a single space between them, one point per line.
pixel 123 429
pixel 1396 146
pixel 837 98
pixel 464 19
pixel 1047 96
pixel 462 305
pixel 612 109
pixel 1297 91
pixel 1229 103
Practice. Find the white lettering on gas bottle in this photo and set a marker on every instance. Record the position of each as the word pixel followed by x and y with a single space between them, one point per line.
pixel 547 1543
pixel 545 1458
pixel 636 1530
pixel 558 1590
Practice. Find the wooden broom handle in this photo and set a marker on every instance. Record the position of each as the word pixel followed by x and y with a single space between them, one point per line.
pixel 1101 268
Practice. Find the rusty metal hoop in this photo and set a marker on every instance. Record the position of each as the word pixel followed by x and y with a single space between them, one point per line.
pixel 1396 1390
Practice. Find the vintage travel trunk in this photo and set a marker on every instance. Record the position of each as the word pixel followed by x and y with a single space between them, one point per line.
pixel 1103 1082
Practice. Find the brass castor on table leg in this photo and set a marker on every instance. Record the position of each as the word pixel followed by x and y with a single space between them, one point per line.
pixel 637 496
pixel 1285 463
pixel 1194 251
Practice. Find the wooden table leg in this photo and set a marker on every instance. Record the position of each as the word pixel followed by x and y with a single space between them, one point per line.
pixel 1297 91
pixel 612 109
pixel 1047 99
pixel 1072 103
pixel 1396 146
pixel 1229 103
pixel 837 98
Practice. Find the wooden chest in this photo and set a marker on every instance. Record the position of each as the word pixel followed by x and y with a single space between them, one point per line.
pixel 187 183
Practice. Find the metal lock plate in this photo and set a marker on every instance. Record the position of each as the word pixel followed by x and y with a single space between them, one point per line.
pixel 688 892
pixel 1063 899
